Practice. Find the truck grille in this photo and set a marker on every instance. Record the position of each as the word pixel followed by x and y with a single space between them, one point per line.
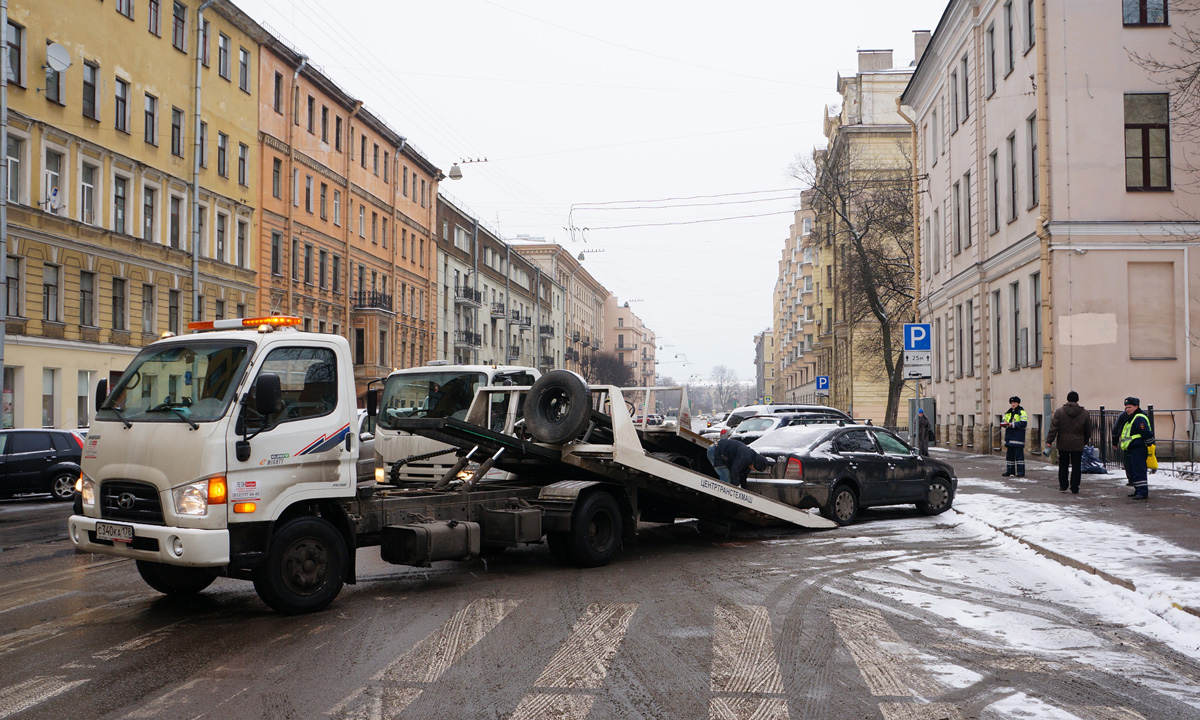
pixel 145 506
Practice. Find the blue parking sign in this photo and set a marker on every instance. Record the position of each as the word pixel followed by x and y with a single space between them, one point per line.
pixel 822 382
pixel 918 336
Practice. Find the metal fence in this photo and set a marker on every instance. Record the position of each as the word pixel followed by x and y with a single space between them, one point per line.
pixel 1175 439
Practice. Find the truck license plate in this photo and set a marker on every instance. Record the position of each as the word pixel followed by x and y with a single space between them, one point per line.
pixel 116 533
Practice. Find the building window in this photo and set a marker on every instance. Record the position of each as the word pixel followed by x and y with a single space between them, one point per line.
pixel 125 7
pixel 223 55
pixel 968 222
pixel 994 195
pixel 295 259
pixel 87 193
pixel 362 221
pixel 276 254
pixel 385 166
pixel 15 40
pixel 997 335
pixel 204 26
pixel 16 150
pixel 243 230
pixel 308 264
pixel 966 89
pixel 383 348
pixel 243 158
pixel 219 313
pixel 1012 177
pixel 937 241
pixel 1015 300
pixel 120 199
pixel 1009 43
pixel 953 101
pixel 990 55
pixel 337 273
pixel 222 154
pixel 54 84
pixel 337 208
pixel 118 304
pixel 121 109
pixel 50 294
pixel 322 267
pixel 148 214
pixel 90 107
pixel 177 132
pixel 54 196
pixel 295 187
pixel 151 120
pixel 49 383
pixel 244 69
pixel 176 222
pixel 154 21
pixel 277 98
pixel 179 26
pixel 324 194
pixel 308 188
pixel 87 299
pixel 1147 142
pixel 1145 12
pixel 360 346
pixel 1035 292
pixel 337 134
pixel 149 321
pixel 1031 130
pixel 362 154
pixel 383 232
pixel 203 144
pixel 276 178
pixel 222 220
pixel 312 105
pixel 957 219
pixel 375 159
pixel 969 347
pixel 173 311
pixel 374 227
pixel 1030 32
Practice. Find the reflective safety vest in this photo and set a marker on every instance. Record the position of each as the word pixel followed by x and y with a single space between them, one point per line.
pixel 1127 435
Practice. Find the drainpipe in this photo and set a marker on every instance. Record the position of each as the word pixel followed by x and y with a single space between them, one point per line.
pixel 396 294
pixel 1044 212
pixel 196 150
pixel 916 214
pixel 292 180
pixel 4 180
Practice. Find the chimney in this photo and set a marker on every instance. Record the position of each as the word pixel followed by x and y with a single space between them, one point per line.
pixel 871 60
pixel 920 42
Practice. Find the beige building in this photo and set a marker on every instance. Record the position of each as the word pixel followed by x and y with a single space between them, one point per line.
pixel 108 245
pixel 1057 221
pixel 794 318
pixel 764 366
pixel 582 316
pixel 630 340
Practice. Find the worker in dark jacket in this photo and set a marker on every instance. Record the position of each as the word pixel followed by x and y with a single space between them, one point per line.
pixel 733 459
pixel 1135 435
pixel 1071 427
pixel 1014 423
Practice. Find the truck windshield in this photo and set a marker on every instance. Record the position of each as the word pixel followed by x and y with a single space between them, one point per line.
pixel 428 395
pixel 178 382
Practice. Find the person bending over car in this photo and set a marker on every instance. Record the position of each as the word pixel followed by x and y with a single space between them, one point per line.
pixel 733 459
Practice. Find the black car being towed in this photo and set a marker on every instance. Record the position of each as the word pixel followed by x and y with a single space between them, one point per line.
pixel 840 469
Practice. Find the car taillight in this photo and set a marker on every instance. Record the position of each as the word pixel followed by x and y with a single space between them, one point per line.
pixel 78 440
pixel 795 470
pixel 724 431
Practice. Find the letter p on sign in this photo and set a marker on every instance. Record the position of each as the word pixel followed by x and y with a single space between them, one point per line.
pixel 917 336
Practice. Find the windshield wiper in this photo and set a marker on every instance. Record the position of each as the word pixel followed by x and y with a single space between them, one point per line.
pixel 178 411
pixel 120 416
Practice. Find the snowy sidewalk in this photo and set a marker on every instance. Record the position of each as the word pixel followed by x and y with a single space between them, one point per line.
pixel 1151 547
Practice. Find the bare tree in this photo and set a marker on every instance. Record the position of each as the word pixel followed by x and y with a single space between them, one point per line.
pixel 604 368
pixel 865 191
pixel 725 387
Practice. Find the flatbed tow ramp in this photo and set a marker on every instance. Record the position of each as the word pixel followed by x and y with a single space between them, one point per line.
pixel 661 469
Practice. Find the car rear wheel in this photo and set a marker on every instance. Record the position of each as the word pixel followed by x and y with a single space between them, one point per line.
pixel 938 499
pixel 842 507
pixel 62 487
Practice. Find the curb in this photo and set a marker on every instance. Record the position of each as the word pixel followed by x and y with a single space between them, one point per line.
pixel 1073 563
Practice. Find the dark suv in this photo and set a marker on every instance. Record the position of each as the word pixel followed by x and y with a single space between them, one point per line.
pixel 38 461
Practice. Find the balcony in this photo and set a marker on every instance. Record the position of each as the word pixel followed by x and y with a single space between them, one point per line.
pixel 467 339
pixel 545 361
pixel 468 296
pixel 525 323
pixel 514 354
pixel 498 310
pixel 572 355
pixel 369 299
pixel 587 341
pixel 575 337
pixel 546 331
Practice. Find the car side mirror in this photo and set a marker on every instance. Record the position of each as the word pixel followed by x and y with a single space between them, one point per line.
pixel 268 395
pixel 373 402
pixel 101 393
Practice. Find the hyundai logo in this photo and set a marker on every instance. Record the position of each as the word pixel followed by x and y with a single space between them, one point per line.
pixel 126 501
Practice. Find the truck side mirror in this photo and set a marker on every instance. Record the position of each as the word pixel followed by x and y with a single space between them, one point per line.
pixel 101 393
pixel 372 402
pixel 268 395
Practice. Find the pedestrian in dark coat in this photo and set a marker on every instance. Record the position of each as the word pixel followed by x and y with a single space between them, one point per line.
pixel 1071 427
pixel 733 459
pixel 924 432
pixel 1135 435
pixel 1014 423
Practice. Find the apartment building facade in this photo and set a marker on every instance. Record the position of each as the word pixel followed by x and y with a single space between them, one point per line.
pixel 108 244
pixel 1055 222
pixel 795 306
pixel 583 325
pixel 347 211
pixel 630 341
pixel 764 366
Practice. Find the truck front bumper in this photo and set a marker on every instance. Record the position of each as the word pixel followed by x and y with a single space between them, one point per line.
pixel 187 547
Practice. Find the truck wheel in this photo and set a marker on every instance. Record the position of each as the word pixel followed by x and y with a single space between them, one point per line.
pixel 595 533
pixel 173 580
pixel 304 567
pixel 557 407
pixel 62 487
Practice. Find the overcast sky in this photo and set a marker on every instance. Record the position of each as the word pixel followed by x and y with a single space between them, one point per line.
pixel 595 113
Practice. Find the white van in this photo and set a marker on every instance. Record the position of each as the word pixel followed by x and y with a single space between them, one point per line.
pixel 716 432
pixel 436 390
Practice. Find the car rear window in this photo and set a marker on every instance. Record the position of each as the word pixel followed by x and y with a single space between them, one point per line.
pixel 28 442
pixel 792 437
pixel 757 424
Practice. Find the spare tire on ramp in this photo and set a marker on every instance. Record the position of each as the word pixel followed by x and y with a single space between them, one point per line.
pixel 558 407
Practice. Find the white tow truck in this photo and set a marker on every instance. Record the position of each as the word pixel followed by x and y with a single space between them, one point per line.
pixel 232 453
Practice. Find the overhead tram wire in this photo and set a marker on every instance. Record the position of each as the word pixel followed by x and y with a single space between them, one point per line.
pixel 691 197
pixel 515 188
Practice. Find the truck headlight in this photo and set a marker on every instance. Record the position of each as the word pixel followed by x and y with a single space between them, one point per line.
pixel 86 488
pixel 191 499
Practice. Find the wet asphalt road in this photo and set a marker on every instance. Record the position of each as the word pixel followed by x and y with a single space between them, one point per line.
pixel 762 624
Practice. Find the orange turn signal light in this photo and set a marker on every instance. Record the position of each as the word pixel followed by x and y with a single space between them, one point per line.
pixel 239 323
pixel 217 491
pixel 244 507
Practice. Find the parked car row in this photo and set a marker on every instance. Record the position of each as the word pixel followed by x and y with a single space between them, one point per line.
pixel 40 461
pixel 736 417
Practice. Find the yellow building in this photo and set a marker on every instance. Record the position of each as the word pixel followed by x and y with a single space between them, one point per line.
pixel 101 157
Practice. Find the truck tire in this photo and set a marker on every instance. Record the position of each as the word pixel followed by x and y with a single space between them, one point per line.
pixel 304 567
pixel 595 534
pixel 173 580
pixel 557 407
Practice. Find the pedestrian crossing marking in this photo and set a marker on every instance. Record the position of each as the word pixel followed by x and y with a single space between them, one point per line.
pixel 883 659
pixel 540 706
pixel 919 711
pixel 582 661
pixel 1098 712
pixel 743 651
pixel 727 708
pixel 33 691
